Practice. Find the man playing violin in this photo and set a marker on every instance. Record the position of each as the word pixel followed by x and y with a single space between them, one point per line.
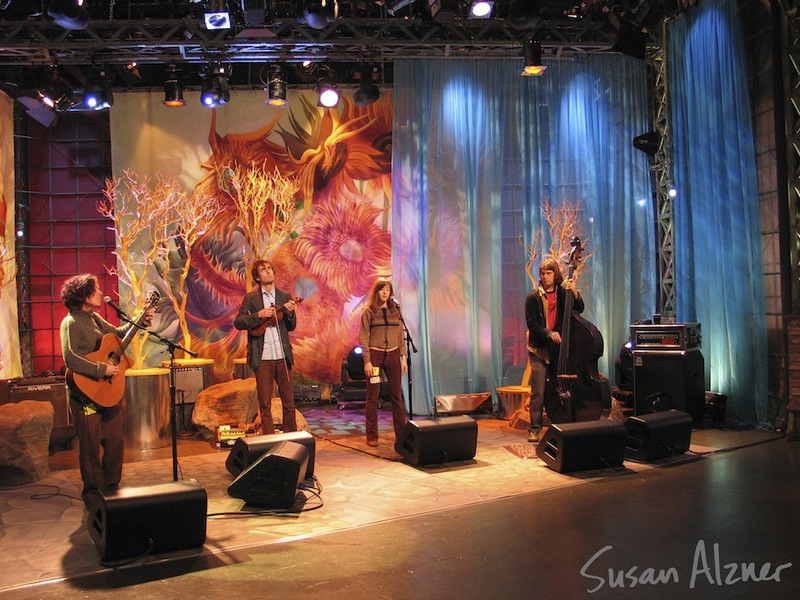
pixel 267 314
pixel 544 314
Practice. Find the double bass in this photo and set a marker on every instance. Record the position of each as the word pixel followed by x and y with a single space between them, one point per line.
pixel 584 394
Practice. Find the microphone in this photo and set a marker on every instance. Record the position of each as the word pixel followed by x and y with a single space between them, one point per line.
pixel 111 303
pixel 396 303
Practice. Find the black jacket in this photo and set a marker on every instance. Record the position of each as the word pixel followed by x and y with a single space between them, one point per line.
pixel 248 318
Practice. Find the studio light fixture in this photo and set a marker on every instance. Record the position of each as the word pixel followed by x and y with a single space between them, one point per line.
pixel 57 96
pixel 97 93
pixel 276 88
pixel 532 51
pixel 395 5
pixel 317 14
pixel 328 95
pixel 367 92
pixel 173 87
pixel 632 41
pixel 525 14
pixel 480 9
pixel 69 14
pixel 216 15
pixel 216 92
pixel 647 142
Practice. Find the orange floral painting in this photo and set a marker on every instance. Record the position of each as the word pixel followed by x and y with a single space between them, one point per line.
pixel 339 242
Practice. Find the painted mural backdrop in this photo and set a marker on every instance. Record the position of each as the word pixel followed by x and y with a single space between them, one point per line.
pixel 338 238
pixel 10 365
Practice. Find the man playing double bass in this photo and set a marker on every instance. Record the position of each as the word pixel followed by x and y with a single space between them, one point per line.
pixel 544 314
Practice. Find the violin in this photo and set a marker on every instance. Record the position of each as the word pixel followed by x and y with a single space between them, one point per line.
pixel 583 393
pixel 274 319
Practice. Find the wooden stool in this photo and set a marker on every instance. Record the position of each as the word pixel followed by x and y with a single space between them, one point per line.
pixel 514 397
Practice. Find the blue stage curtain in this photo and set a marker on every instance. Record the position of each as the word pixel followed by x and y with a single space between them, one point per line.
pixel 719 271
pixel 477 151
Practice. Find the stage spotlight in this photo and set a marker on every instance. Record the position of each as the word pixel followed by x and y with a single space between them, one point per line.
pixel 276 88
pixel 532 51
pixel 97 93
pixel 647 142
pixel 480 9
pixel 525 14
pixel 173 88
pixel 216 91
pixel 317 14
pixel 393 7
pixel 631 41
pixel 367 92
pixel 216 15
pixel 57 96
pixel 355 363
pixel 69 14
pixel 328 94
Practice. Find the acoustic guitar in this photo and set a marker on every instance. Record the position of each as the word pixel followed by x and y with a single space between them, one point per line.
pixel 107 392
pixel 279 310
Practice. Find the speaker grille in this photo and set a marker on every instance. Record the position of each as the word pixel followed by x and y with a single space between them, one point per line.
pixel 438 441
pixel 659 435
pixel 132 522
pixel 585 445
pixel 272 480
pixel 247 450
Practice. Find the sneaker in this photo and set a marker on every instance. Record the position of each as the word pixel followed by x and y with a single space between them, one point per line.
pixel 372 443
pixel 533 437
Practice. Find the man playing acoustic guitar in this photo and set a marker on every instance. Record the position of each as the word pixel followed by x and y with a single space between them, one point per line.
pixel 97 424
pixel 267 314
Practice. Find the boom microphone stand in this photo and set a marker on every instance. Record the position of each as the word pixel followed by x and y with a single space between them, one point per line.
pixel 409 346
pixel 171 346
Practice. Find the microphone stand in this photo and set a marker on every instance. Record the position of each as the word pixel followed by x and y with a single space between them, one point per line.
pixel 409 346
pixel 173 426
pixel 172 347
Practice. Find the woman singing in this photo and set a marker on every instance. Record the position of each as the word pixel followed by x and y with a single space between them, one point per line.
pixel 382 338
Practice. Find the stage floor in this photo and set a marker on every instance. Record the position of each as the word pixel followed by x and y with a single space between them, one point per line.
pixel 503 525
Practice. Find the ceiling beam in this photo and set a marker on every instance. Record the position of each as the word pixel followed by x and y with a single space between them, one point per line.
pixel 345 40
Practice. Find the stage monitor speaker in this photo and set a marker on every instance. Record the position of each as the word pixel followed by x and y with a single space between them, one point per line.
pixel 463 404
pixel 136 521
pixel 658 435
pixel 567 447
pixel 247 450
pixel 273 479
pixel 676 375
pixel 437 441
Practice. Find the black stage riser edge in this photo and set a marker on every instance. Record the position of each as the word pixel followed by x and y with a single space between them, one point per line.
pixel 658 435
pixel 247 450
pixel 567 447
pixel 438 441
pixel 272 480
pixel 134 521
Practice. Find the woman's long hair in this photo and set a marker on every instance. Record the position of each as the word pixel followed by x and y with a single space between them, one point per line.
pixel 379 284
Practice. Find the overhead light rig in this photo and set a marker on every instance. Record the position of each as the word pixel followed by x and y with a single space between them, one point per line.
pixel 275 32
pixel 344 40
